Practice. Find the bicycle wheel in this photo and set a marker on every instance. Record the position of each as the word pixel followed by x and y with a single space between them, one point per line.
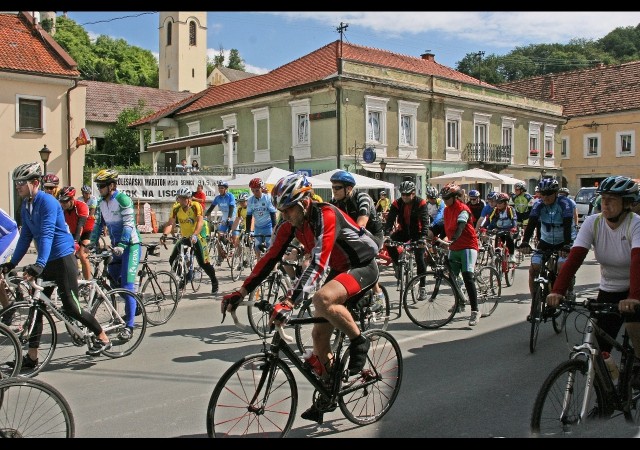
pixel 489 290
pixel 31 408
pixel 437 307
pixel 160 296
pixel 10 353
pixel 213 250
pixel 373 315
pixel 178 269
pixel 32 324
pixel 559 320
pixel 537 308
pixel 114 322
pixel 556 411
pixel 270 290
pixel 256 397
pixel 368 397
pixel 508 268
pixel 196 278
pixel 237 261
pixel 303 332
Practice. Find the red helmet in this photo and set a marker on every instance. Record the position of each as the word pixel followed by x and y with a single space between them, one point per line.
pixel 256 183
pixel 67 193
pixel 450 190
pixel 50 180
pixel 502 197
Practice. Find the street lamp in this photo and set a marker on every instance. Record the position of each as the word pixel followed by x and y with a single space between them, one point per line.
pixel 44 156
pixel 383 166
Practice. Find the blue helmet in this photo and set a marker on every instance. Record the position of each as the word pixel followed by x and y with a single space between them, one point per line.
pixel 223 183
pixel 617 185
pixel 290 190
pixel 492 195
pixel 342 176
pixel 474 194
pixel 548 185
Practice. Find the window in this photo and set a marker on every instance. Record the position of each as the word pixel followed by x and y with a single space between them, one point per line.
pixel 261 135
pixel 453 134
pixel 534 143
pixel 549 149
pixel 564 152
pixel 194 128
pixel 481 129
pixel 376 116
pixel 192 33
pixel 30 114
pixel 591 145
pixel 625 143
pixel 300 127
pixel 230 121
pixel 508 125
pixel 453 121
pixel 169 27
pixel 407 124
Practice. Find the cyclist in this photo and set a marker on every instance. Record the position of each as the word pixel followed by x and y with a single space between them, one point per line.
pixel 615 236
pixel 200 197
pixel 9 234
pixel 565 192
pixel 50 184
pixel 115 212
pixel 241 217
pixel 503 218
pixel 383 203
pixel 43 222
pixel 226 203
pixel 189 215
pixel 260 208
pixel 553 217
pixel 336 244
pixel 412 217
pixel 476 205
pixel 486 211
pixel 358 206
pixel 435 209
pixel 76 214
pixel 522 202
pixel 462 240
pixel 89 199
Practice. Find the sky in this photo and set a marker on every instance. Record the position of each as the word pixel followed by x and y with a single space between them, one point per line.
pixel 267 40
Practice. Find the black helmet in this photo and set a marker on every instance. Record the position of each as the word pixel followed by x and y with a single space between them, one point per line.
pixel 618 185
pixel 548 185
pixel 407 187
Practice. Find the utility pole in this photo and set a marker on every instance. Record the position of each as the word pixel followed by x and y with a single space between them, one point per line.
pixel 341 29
pixel 479 56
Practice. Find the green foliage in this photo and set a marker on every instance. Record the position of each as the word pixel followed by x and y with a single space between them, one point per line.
pixel 235 61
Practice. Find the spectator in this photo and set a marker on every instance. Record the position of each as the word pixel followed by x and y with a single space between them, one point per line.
pixel 195 167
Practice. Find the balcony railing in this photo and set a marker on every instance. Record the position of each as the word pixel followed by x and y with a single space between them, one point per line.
pixel 487 153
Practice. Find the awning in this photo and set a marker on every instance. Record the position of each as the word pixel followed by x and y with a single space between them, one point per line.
pixel 197 140
pixel 397 167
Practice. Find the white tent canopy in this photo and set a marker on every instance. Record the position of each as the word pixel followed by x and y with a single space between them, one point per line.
pixel 271 176
pixel 472 176
pixel 362 182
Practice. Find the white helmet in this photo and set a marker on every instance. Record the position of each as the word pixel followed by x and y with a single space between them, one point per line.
pixel 184 192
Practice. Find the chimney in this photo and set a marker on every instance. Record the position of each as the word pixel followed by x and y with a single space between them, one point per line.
pixel 552 90
pixel 427 55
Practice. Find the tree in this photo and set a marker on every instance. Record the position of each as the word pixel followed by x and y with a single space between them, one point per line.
pixel 235 61
pixel 121 141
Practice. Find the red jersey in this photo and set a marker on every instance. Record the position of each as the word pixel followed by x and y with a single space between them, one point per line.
pixel 71 216
pixel 469 237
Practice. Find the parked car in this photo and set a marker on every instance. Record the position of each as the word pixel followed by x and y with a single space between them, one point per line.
pixel 583 199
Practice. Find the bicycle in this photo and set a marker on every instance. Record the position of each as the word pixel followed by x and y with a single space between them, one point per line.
pixel 581 392
pixel 406 270
pixel 506 268
pixel 159 289
pixel 258 395
pixel 108 307
pixel 184 268
pixel 243 256
pixel 444 297
pixel 542 287
pixel 219 240
pixel 10 352
pixel 31 408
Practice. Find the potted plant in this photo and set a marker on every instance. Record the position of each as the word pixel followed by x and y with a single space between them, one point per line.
pixel 549 154
pixel 534 152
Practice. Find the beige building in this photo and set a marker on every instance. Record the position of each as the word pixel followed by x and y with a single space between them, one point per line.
pixel 41 103
pixel 602 105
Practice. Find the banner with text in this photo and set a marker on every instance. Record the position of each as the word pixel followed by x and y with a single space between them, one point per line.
pixel 165 187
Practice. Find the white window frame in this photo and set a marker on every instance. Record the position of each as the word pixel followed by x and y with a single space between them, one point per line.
pixel 586 142
pixel 261 154
pixel 194 152
pixel 631 135
pixel 565 147
pixel 301 128
pixel 230 121
pixel 534 143
pixel 43 116
pixel 481 127
pixel 376 105
pixel 453 119
pixel 508 131
pixel 549 145
pixel 407 145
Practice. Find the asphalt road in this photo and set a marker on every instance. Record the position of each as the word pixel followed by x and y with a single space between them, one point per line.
pixel 459 381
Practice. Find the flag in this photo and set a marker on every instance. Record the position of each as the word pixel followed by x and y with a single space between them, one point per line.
pixel 83 138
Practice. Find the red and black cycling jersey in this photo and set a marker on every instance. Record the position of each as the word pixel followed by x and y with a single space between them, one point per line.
pixel 78 216
pixel 413 218
pixel 331 237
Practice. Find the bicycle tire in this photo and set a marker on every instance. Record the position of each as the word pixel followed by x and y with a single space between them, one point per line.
pixel 559 320
pixel 489 290
pixel 237 263
pixel 10 353
pixel 364 401
pixel 113 326
pixel 160 296
pixel 177 269
pixel 213 250
pixel 373 320
pixel 21 319
pixel 303 332
pixel 256 397
pixel 265 291
pixel 196 278
pixel 440 305
pixel 537 308
pixel 558 403
pixel 31 408
pixel 509 269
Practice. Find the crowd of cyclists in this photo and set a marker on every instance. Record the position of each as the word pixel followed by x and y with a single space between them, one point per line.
pixel 340 238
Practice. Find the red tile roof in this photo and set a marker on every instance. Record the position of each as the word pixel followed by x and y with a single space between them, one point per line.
pixel 105 101
pixel 597 90
pixel 314 67
pixel 27 48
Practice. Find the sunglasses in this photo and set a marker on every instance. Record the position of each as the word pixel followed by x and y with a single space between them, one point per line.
pixel 20 183
pixel 407 195
pixel 102 185
pixel 337 188
pixel 547 193
pixel 49 188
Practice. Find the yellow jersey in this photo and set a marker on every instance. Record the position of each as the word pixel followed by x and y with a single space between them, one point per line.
pixel 188 219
